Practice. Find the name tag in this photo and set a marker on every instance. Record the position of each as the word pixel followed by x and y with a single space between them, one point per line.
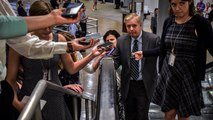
pixel 171 61
pixel 46 74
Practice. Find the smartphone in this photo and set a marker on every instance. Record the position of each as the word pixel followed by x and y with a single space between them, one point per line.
pixel 89 37
pixel 85 42
pixel 72 10
pixel 106 44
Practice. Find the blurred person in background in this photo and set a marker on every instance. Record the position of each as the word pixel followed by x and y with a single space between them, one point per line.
pixel 83 21
pixel 200 7
pixel 54 4
pixel 154 21
pixel 94 6
pixel 20 9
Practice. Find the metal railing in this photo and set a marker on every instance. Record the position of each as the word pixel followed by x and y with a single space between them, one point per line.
pixel 32 108
pixel 92 23
pixel 107 89
pixel 100 108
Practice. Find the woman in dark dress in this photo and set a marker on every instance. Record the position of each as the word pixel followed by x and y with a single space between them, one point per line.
pixel 184 42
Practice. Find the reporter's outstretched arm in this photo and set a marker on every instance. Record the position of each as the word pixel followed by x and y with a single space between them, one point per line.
pixel 53 18
pixel 32 47
pixel 77 47
pixel 12 26
pixel 73 67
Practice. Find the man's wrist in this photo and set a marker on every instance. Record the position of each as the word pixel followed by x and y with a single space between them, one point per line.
pixel 70 47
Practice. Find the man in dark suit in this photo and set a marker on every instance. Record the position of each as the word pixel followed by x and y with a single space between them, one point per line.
pixel 137 80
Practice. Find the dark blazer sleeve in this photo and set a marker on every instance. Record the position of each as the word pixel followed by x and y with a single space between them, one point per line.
pixel 160 50
pixel 205 42
pixel 116 54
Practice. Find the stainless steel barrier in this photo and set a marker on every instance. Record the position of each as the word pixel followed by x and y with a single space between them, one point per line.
pixel 98 108
pixel 92 23
pixel 107 89
pixel 33 105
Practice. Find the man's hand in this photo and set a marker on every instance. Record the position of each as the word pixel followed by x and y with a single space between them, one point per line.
pixel 56 14
pixel 138 55
pixel 77 47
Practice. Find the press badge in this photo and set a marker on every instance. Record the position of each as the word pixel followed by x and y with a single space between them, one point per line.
pixel 46 74
pixel 171 59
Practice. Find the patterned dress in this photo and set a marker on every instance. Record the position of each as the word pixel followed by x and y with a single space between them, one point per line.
pixel 55 108
pixel 176 86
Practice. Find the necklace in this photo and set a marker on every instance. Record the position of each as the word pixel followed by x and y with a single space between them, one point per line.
pixel 175 38
pixel 172 56
pixel 173 43
pixel 179 21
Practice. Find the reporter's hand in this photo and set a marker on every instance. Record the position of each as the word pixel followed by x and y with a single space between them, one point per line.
pixel 103 54
pixel 63 20
pixel 97 51
pixel 75 87
pixel 77 47
pixel 138 55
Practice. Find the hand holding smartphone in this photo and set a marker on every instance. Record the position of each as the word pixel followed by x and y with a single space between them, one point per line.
pixel 106 45
pixel 89 37
pixel 72 10
pixel 85 42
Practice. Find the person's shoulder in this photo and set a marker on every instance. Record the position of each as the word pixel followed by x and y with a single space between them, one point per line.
pixel 150 35
pixel 168 19
pixel 124 36
pixel 199 20
pixel 167 22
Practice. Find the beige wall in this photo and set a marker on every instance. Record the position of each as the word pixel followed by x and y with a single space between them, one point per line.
pixel 152 4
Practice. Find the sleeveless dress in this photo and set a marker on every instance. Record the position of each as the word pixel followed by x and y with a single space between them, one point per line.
pixel 55 108
pixel 176 86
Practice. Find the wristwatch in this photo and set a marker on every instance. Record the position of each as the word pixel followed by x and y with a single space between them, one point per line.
pixel 69 47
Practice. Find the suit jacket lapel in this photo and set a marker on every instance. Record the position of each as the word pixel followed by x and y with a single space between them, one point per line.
pixel 145 44
pixel 127 48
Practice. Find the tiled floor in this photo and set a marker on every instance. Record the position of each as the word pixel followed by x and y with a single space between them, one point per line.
pixel 108 17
